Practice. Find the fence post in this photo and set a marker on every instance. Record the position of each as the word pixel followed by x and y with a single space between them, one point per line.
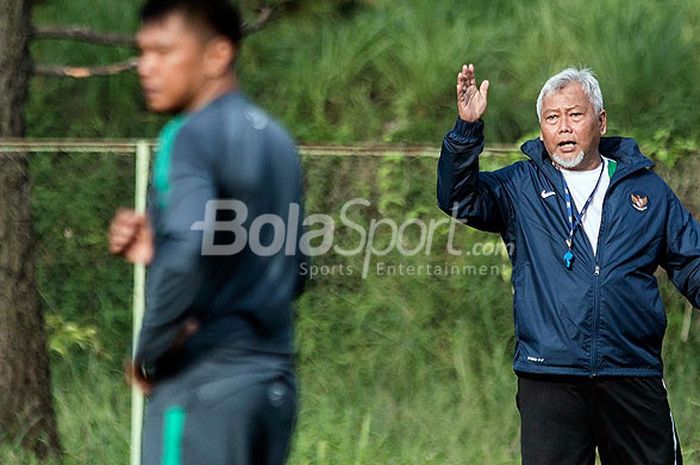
pixel 687 321
pixel 143 156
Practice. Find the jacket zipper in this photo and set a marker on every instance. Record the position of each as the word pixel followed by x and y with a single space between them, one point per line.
pixel 597 268
pixel 596 284
pixel 596 290
pixel 596 276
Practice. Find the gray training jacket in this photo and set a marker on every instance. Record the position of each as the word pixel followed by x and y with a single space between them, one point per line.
pixel 241 288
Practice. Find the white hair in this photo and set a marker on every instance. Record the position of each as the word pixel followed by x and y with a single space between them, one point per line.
pixel 584 77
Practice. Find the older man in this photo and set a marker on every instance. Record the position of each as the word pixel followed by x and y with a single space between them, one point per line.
pixel 590 223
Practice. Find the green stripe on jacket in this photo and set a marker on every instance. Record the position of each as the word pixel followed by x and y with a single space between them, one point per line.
pixel 161 166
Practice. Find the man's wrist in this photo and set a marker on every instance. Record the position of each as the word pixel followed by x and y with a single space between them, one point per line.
pixel 143 370
pixel 466 131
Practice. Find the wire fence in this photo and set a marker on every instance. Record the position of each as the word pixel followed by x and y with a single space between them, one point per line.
pixel 128 147
pixel 64 173
pixel 78 184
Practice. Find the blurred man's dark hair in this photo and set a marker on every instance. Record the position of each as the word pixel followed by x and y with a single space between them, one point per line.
pixel 220 17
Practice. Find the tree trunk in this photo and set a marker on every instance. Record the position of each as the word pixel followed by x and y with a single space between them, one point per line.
pixel 26 405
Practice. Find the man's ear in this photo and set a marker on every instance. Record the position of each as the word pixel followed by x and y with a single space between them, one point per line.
pixel 220 55
pixel 603 120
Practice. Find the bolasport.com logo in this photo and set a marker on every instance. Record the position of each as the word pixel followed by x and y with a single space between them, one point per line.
pixel 315 235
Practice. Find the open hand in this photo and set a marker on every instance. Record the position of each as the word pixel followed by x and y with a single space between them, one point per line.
pixel 471 100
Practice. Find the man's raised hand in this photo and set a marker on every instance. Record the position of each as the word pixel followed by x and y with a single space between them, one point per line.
pixel 471 100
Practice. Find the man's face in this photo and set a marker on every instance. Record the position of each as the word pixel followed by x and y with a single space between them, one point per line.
pixel 171 64
pixel 570 128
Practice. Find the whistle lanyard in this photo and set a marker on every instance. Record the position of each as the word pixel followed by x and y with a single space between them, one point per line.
pixel 575 223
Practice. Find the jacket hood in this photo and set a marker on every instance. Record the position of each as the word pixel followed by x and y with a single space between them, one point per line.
pixel 624 150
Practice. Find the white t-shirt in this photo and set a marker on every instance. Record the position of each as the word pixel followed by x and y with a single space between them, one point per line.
pixel 581 184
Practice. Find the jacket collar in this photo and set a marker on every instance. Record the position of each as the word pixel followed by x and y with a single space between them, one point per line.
pixel 624 150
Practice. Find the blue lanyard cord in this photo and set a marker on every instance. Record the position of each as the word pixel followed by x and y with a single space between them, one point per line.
pixel 574 222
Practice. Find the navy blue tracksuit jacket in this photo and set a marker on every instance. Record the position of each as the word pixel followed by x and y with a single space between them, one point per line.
pixel 604 317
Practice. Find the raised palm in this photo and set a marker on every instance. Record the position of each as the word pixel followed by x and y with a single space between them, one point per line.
pixel 471 100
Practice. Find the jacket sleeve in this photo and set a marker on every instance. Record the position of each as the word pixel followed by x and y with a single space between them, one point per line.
pixel 682 252
pixel 480 199
pixel 175 274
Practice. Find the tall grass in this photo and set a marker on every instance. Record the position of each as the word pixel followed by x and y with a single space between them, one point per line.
pixel 643 53
pixel 385 70
pixel 92 404
pixel 393 369
pixel 409 369
pixel 403 381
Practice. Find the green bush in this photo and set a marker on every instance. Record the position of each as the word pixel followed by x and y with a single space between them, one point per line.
pixel 394 369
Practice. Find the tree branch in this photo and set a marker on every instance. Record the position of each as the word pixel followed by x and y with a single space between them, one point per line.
pixel 85 72
pixel 265 14
pixel 84 34
pixel 259 22
pixel 120 40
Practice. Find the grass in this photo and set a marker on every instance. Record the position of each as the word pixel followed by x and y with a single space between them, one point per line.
pixel 393 369
pixel 396 384
pixel 385 70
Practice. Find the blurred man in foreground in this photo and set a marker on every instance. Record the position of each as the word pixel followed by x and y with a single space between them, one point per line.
pixel 215 351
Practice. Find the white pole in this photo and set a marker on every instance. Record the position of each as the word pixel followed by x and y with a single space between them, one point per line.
pixel 139 302
pixel 687 321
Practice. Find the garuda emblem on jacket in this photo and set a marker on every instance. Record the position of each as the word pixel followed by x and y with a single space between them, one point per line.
pixel 640 201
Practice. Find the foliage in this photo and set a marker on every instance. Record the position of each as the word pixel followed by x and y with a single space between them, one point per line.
pixel 403 369
pixel 66 337
pixel 409 369
pixel 382 70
